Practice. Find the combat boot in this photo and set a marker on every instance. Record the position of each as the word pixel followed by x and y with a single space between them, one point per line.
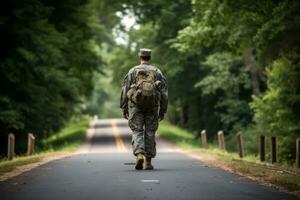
pixel 139 161
pixel 148 165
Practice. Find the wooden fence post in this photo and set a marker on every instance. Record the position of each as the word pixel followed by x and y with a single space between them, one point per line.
pixel 221 140
pixel 273 149
pixel 204 138
pixel 262 148
pixel 240 144
pixel 30 144
pixel 11 146
pixel 298 152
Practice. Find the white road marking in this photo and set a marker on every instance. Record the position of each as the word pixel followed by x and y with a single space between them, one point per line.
pixel 150 181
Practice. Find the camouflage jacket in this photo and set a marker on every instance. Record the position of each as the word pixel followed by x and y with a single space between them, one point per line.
pixel 129 80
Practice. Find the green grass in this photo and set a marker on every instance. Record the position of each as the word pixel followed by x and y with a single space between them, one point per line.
pixel 187 140
pixel 286 176
pixel 176 135
pixel 68 139
pixel 9 165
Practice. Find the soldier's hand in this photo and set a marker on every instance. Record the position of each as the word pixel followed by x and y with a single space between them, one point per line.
pixel 161 117
pixel 125 114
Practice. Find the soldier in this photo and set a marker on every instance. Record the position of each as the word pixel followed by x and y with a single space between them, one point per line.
pixel 144 101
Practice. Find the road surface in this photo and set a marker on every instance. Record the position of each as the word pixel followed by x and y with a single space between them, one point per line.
pixel 104 170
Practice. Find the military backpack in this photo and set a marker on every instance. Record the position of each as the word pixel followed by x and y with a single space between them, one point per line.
pixel 145 90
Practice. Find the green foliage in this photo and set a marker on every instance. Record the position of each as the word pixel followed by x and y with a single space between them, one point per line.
pixel 104 102
pixel 270 29
pixel 228 80
pixel 121 60
pixel 280 32
pixel 49 55
pixel 277 111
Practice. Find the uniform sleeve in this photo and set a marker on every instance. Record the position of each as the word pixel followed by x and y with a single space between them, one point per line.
pixel 164 94
pixel 125 87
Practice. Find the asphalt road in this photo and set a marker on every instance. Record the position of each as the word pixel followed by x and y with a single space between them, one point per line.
pixel 104 169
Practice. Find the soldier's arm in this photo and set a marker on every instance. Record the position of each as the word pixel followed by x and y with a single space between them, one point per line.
pixel 124 99
pixel 125 87
pixel 164 95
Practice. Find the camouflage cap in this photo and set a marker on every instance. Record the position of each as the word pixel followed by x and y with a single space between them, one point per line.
pixel 145 52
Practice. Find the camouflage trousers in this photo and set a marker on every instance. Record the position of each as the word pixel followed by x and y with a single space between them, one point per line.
pixel 143 126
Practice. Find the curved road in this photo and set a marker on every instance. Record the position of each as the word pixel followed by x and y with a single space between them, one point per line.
pixel 104 169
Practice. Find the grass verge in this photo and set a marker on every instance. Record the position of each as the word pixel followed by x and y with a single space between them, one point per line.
pixel 283 176
pixel 9 165
pixel 65 141
pixel 68 139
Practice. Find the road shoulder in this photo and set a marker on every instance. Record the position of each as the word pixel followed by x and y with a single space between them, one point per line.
pixel 25 164
pixel 283 177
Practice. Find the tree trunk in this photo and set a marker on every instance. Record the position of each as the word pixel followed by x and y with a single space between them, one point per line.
pixel 252 68
pixel 183 114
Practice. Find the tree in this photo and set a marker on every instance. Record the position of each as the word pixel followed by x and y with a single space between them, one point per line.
pixel 47 64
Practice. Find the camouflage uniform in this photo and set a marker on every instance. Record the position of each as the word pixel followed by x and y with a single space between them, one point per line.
pixel 143 124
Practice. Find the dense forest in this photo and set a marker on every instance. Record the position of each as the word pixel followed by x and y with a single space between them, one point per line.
pixel 50 54
pixel 230 65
